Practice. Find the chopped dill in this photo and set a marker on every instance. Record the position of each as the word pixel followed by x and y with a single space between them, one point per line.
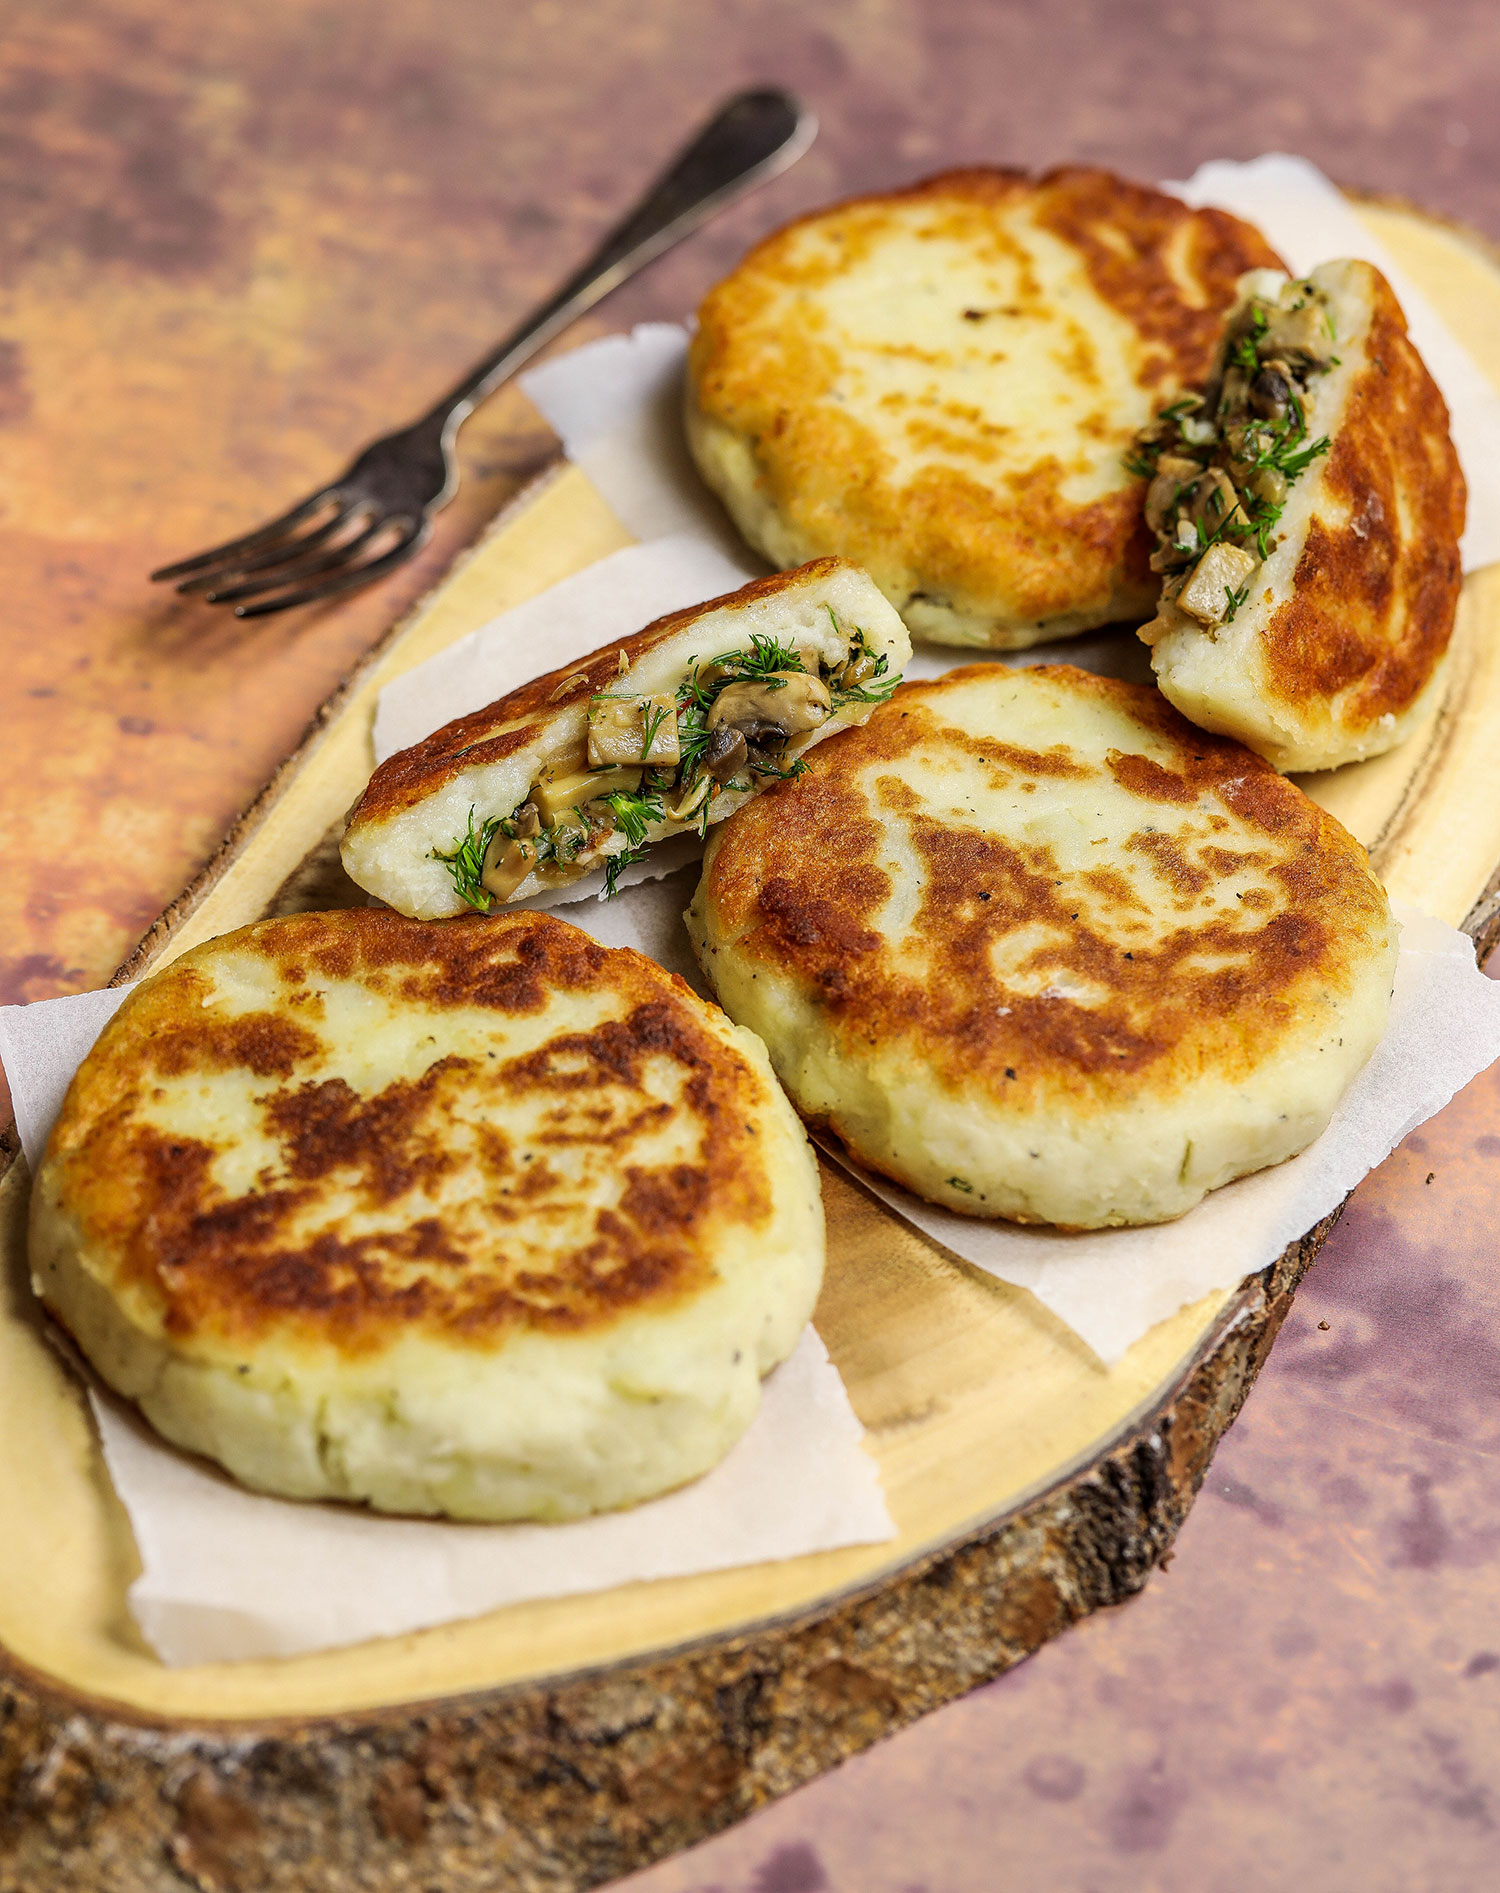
pixel 651 728
pixel 761 764
pixel 466 862
pixel 1295 464
pixel 876 688
pixel 692 738
pixel 562 843
pixel 1142 459
pixel 616 864
pixel 1245 351
pixel 634 810
pixel 1234 600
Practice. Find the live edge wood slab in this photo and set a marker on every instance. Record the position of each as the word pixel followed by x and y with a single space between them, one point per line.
pixel 559 1744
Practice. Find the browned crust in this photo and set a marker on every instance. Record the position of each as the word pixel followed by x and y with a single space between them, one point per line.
pixel 517 719
pixel 797 883
pixel 1373 603
pixel 277 1261
pixel 1166 269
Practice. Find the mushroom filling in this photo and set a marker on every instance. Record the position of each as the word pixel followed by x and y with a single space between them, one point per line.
pixel 659 761
pixel 1220 463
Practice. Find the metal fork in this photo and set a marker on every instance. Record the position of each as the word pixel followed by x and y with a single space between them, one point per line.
pixel 379 511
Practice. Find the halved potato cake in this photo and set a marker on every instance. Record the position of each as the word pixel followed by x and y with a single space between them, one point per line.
pixel 1033 946
pixel 941 383
pixel 1308 509
pixel 662 733
pixel 489 1220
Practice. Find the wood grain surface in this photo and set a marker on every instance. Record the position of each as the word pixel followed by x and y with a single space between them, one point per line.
pixel 237 241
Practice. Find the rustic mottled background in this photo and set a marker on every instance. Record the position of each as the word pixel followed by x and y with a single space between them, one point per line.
pixel 237 239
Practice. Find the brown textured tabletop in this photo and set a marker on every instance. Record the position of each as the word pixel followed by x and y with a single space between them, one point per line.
pixel 235 241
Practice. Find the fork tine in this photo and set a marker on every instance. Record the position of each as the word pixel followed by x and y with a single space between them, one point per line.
pixel 295 567
pixel 281 551
pixel 250 541
pixel 412 540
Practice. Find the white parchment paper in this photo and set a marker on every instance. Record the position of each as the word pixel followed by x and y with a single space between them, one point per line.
pixel 228 1575
pixel 607 600
pixel 616 403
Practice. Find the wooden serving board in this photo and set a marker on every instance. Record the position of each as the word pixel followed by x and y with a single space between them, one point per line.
pixel 557 1744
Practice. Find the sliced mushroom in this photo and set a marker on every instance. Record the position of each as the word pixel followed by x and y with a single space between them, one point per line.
pixel 1169 558
pixel 1267 484
pixel 788 703
pixel 1215 503
pixel 760 762
pixel 507 863
pixel 1215 579
pixel 1174 473
pixel 557 795
pixel 724 753
pixel 526 821
pixel 1271 391
pixel 707 675
pixel 625 729
pixel 690 803
pixel 1231 391
pixel 858 668
pixel 1299 335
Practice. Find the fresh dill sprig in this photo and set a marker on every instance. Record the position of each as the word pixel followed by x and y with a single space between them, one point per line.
pixel 692 739
pixel 765 657
pixel 616 864
pixel 1235 600
pixel 761 765
pixel 466 862
pixel 651 724
pixel 1244 354
pixel 1295 464
pixel 634 810
pixel 876 688
pixel 1142 459
pixel 562 843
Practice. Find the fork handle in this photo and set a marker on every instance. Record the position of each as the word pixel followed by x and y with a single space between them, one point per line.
pixel 751 137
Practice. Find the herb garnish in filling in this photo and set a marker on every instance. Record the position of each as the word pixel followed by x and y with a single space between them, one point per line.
pixel 466 862
pixel 661 760
pixel 1221 463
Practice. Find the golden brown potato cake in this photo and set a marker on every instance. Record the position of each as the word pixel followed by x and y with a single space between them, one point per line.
pixel 482 1219
pixel 1335 648
pixel 941 383
pixel 1035 947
